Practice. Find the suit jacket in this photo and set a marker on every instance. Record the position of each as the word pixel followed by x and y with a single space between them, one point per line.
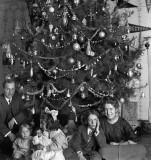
pixel 80 140
pixel 7 112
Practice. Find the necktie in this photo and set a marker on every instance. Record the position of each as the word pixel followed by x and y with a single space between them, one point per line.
pixel 90 135
pixel 9 101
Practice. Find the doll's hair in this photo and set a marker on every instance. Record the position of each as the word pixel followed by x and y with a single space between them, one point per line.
pixel 50 123
pixel 25 125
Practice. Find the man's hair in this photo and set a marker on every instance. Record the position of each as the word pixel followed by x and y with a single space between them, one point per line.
pixel 8 81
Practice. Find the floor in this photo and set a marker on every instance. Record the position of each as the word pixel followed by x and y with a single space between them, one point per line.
pixel 145 139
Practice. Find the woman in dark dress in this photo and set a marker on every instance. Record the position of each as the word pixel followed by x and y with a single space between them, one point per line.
pixel 120 136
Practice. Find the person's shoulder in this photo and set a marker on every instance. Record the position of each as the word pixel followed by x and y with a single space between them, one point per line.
pixel 102 118
pixel 82 127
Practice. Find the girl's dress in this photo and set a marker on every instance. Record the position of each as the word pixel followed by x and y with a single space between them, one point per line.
pixel 21 147
pixel 54 146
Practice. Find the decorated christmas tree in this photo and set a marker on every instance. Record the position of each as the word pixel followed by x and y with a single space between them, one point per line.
pixel 76 53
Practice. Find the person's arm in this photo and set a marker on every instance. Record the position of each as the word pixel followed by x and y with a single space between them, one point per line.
pixel 129 132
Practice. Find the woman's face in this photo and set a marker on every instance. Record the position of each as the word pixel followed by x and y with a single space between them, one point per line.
pixel 110 111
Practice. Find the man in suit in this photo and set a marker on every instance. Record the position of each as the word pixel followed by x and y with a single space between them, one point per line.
pixel 12 114
pixel 88 140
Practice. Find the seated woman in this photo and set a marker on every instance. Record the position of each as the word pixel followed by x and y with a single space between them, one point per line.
pixel 120 135
pixel 87 142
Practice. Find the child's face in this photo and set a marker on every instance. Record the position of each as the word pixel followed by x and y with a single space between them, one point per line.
pixel 39 132
pixel 25 133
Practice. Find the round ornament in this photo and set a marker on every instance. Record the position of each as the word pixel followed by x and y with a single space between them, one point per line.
pixel 54 71
pixel 102 34
pixel 122 100
pixel 114 43
pixel 147 45
pixel 71 60
pixel 139 66
pixel 130 73
pixel 76 46
pixel 81 39
pixel 51 9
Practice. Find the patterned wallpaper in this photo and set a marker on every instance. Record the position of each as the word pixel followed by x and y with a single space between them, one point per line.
pixel 11 13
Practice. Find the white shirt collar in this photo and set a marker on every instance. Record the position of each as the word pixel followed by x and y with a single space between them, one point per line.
pixel 89 130
pixel 7 99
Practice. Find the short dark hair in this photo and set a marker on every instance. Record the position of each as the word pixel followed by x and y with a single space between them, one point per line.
pixel 11 80
pixel 112 101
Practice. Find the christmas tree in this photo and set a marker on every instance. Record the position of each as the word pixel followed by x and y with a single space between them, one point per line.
pixel 77 53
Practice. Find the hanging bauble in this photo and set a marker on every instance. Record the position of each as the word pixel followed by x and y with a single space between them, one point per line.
pixel 122 100
pixel 76 46
pixel 51 9
pixel 92 54
pixel 73 81
pixel 122 22
pixel 23 96
pixel 76 2
pixel 114 43
pixel 71 60
pixel 43 40
pixel 130 73
pixel 88 50
pixel 74 17
pixel 31 71
pixel 33 110
pixel 54 71
pixel 79 64
pixel 102 34
pixel 81 39
pixel 44 13
pixel 142 94
pixel 53 37
pixel 84 22
pixel 21 89
pixel 74 37
pixel 83 95
pixel 124 37
pixel 124 47
pixel 27 97
pixel 139 66
pixel 68 93
pixel 138 73
pixel 147 45
pixel 82 88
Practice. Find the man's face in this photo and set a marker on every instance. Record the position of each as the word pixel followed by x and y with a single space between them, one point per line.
pixel 9 90
pixel 92 121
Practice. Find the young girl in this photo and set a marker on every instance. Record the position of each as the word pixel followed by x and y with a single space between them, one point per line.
pixel 22 144
pixel 119 133
pixel 53 141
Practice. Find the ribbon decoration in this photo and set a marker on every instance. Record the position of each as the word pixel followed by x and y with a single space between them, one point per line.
pixel 148 5
pixel 137 28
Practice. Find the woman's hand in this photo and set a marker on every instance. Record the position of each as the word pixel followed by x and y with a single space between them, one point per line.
pixel 114 143
pixel 131 142
pixel 97 128
pixel 80 155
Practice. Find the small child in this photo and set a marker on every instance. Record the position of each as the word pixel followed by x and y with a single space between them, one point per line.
pixel 22 144
pixel 53 139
